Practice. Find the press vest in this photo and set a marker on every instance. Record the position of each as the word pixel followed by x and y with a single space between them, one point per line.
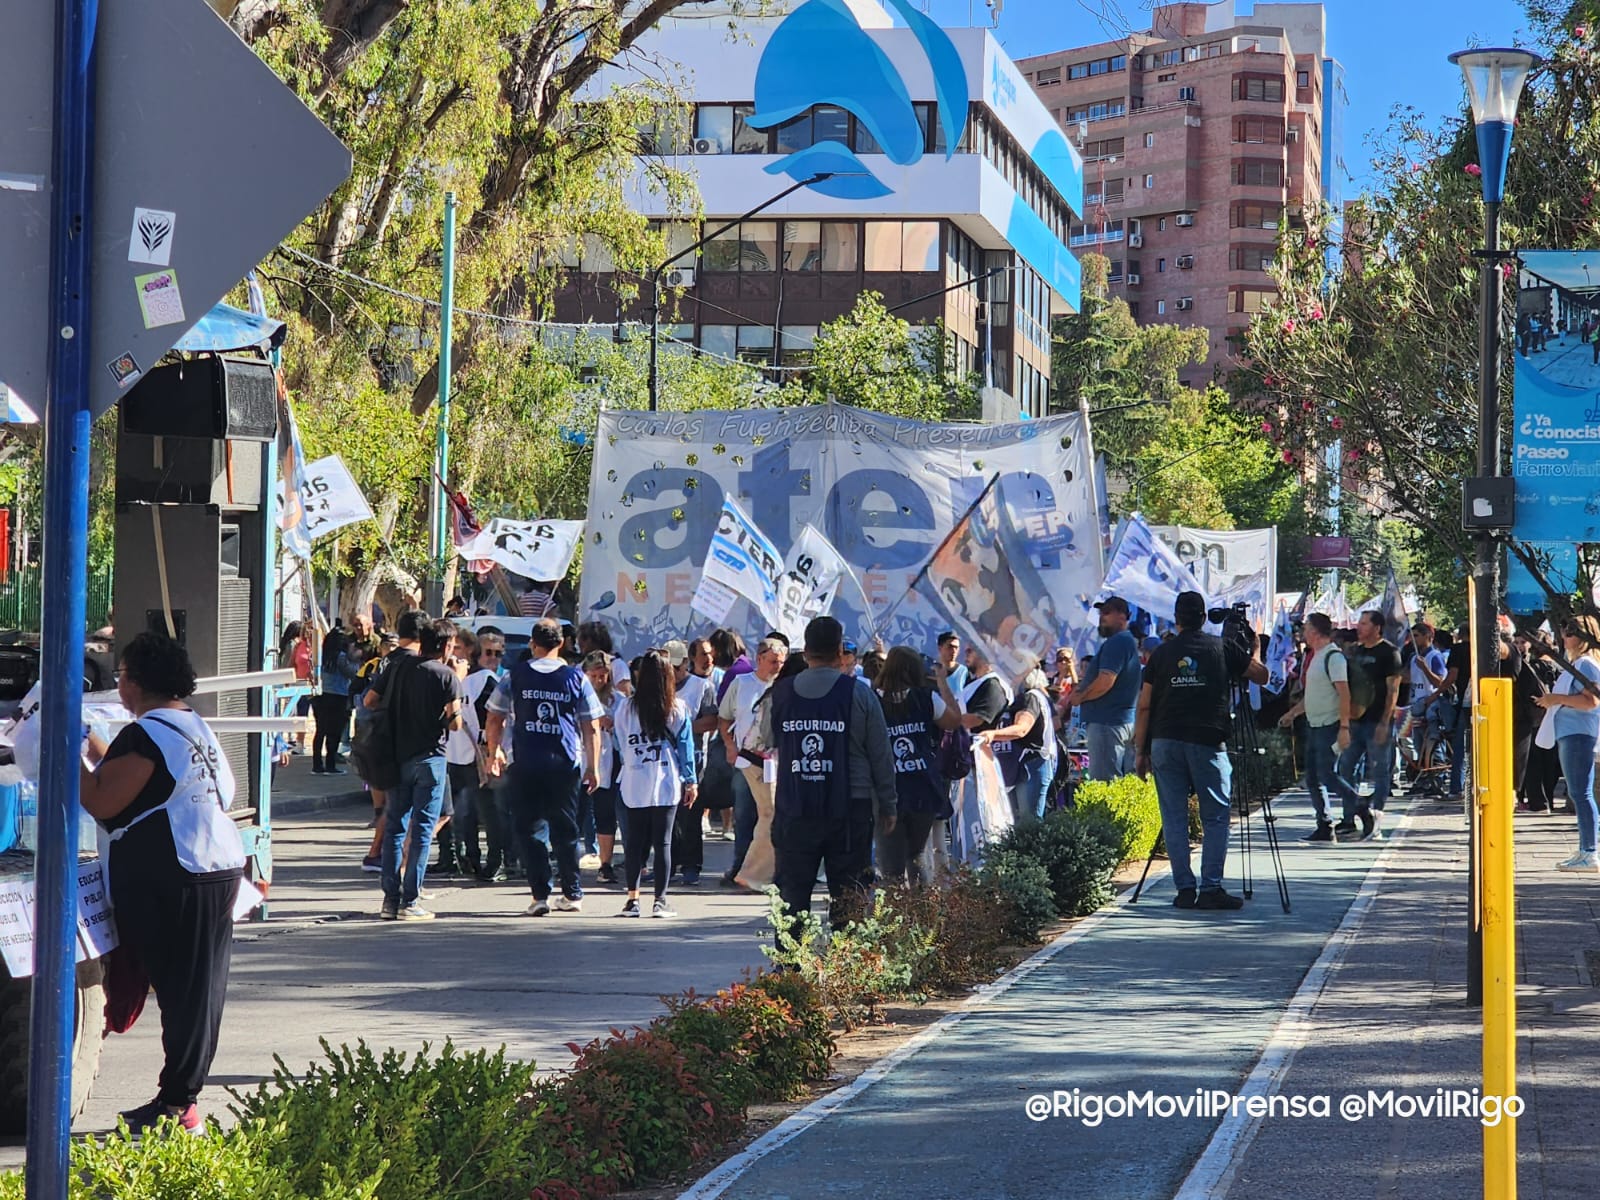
pixel 918 786
pixel 205 837
pixel 813 743
pixel 547 706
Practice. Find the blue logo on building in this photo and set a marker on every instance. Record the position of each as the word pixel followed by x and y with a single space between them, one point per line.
pixel 821 55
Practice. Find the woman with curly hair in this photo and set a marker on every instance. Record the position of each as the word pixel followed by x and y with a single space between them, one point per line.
pixel 162 789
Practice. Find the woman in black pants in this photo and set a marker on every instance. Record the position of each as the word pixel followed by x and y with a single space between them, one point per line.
pixel 163 789
pixel 655 746
pixel 915 713
pixel 331 707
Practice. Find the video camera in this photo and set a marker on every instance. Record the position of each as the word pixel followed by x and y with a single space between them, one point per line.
pixel 1235 624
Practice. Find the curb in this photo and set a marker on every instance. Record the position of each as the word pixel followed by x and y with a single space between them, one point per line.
pixel 289 806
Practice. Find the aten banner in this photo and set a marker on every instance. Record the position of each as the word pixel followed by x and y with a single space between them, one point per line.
pixel 885 492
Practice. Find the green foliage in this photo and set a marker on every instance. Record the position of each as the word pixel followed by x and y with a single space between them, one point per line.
pixel 1022 884
pixel 1130 804
pixel 435 1127
pixel 811 1051
pixel 857 968
pixel 1078 853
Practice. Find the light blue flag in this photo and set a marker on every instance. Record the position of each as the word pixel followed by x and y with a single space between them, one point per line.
pixel 1147 572
pixel 1280 651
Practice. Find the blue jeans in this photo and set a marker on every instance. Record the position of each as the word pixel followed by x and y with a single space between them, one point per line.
pixel 1110 750
pixel 412 808
pixel 1322 775
pixel 1379 765
pixel 1577 765
pixel 548 797
pixel 1457 735
pixel 1184 769
pixel 744 819
pixel 1032 790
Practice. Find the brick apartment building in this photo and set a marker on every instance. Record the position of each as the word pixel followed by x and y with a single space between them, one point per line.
pixel 1203 138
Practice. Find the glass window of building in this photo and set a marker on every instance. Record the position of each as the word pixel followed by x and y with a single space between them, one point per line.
pixel 747 139
pixel 794 134
pixel 802 245
pixel 919 246
pixel 1302 79
pixel 597 259
pixel 861 139
pixel 1161 308
pixel 758 246
pixel 722 252
pixel 883 246
pixel 841 246
pixel 830 123
pixel 721 340
pixel 1247 88
pixel 1149 141
pixel 795 344
pixel 714 123
pixel 755 343
pixel 1078 71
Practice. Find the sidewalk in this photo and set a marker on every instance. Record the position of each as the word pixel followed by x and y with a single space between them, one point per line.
pixel 296 790
pixel 1153 998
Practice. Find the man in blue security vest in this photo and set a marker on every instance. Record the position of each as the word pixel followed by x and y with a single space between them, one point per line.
pixel 552 706
pixel 835 773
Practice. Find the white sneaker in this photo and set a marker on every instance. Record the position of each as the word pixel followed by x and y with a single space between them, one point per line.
pixel 662 909
pixel 414 912
pixel 1584 860
pixel 539 908
pixel 565 905
pixel 589 862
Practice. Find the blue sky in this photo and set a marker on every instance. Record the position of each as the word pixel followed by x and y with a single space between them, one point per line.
pixel 1393 51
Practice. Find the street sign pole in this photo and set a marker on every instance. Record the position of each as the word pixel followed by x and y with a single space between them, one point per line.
pixel 441 462
pixel 66 544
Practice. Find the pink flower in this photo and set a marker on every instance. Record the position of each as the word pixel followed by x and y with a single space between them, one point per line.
pixel 1316 314
pixel 1351 455
pixel 1586 199
pixel 1288 326
pixel 1415 167
pixel 1270 381
pixel 1581 32
pixel 1266 427
pixel 1337 422
pixel 1473 169
pixel 1307 406
pixel 1288 457
pixel 1506 270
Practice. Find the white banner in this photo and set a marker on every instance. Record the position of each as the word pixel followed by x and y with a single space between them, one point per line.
pixel 743 559
pixel 1147 572
pixel 537 550
pixel 1233 565
pixel 883 491
pixel 808 585
pixel 331 498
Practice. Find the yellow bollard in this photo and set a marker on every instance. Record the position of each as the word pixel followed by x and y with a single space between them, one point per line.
pixel 1496 799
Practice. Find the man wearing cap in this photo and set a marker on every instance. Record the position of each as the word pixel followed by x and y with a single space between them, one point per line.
pixel 1107 702
pixel 1184 715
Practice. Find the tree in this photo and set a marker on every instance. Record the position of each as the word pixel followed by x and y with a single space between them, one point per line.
pixel 1381 360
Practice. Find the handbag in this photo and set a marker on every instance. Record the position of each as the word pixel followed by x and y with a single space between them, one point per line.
pixel 1545 739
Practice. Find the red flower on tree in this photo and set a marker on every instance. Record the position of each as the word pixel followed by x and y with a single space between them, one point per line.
pixel 1473 169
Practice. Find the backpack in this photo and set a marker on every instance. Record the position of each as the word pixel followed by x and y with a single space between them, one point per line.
pixel 372 746
pixel 955 753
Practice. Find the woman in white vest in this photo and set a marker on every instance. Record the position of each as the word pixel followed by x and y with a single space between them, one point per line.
pixel 655 748
pixel 162 789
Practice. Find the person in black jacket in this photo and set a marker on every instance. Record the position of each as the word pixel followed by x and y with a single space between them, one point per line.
pixel 1536 785
pixel 915 715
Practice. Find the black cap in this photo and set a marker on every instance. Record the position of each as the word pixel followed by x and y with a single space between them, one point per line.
pixel 1190 609
pixel 1113 604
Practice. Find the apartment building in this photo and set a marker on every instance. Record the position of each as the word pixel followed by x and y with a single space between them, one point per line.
pixel 1205 138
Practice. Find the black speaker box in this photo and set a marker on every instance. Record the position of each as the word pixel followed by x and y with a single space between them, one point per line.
pixel 206 397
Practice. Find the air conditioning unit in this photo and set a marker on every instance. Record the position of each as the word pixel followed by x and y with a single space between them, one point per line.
pixel 1185 262
pixel 680 277
pixel 1185 303
pixel 1185 220
pixel 1134 279
pixel 1136 240
pixel 706 146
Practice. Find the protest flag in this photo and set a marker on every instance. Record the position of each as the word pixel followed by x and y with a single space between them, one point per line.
pixel 1396 621
pixel 1147 572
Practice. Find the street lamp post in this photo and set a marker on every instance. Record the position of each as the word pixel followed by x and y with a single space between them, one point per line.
pixel 655 277
pixel 1495 79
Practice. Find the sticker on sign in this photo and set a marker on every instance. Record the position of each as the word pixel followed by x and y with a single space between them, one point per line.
pixel 159 298
pixel 151 238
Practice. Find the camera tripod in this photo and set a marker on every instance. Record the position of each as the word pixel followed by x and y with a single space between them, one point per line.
pixel 1249 786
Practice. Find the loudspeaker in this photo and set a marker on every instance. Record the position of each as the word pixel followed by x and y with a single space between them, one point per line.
pixel 233 399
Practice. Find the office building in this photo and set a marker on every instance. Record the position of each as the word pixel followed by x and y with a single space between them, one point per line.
pixel 1204 138
pixel 934 164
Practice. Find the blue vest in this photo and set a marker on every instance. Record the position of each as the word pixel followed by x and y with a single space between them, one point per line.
pixel 918 785
pixel 547 707
pixel 813 743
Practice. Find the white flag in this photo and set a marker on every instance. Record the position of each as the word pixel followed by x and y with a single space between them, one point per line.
pixel 1146 571
pixel 809 582
pixel 1280 650
pixel 537 550
pixel 329 498
pixel 742 558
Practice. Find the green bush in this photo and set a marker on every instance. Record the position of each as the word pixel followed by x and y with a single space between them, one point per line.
pixel 967 923
pixel 807 1057
pixel 1130 804
pixel 1077 851
pixel 1021 886
pixel 858 968
pixel 435 1128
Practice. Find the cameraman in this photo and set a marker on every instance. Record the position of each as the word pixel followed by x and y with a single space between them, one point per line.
pixel 1185 713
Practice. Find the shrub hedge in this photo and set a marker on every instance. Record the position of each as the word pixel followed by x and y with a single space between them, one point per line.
pixel 1128 803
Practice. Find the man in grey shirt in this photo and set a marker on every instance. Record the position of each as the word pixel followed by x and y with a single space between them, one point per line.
pixel 835 774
